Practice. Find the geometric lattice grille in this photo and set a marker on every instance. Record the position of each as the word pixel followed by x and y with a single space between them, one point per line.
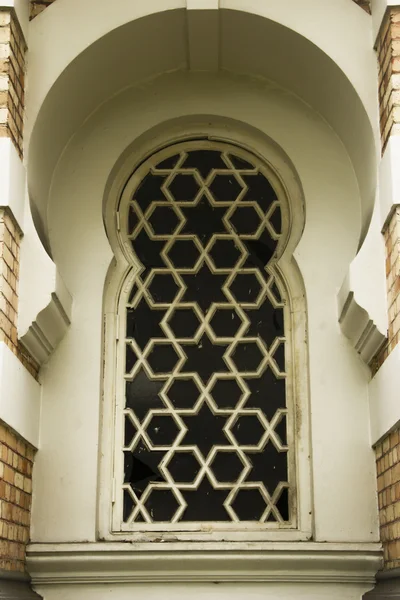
pixel 205 395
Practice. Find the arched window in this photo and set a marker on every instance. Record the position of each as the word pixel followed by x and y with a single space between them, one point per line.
pixel 205 407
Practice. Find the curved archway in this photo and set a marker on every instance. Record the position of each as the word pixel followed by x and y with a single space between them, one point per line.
pixel 133 279
pixel 266 42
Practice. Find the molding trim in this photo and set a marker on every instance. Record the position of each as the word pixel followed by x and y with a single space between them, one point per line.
pixel 357 325
pixel 387 586
pixel 54 564
pixel 50 325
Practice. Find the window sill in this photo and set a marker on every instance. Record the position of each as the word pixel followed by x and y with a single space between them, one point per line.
pixel 84 563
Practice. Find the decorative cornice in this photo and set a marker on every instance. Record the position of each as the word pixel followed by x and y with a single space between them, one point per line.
pixel 50 325
pixel 54 564
pixel 357 325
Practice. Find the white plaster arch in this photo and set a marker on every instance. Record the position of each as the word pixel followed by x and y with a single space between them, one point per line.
pixel 72 377
pixel 236 134
pixel 281 41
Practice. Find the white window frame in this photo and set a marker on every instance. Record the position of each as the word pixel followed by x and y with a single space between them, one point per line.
pixel 284 178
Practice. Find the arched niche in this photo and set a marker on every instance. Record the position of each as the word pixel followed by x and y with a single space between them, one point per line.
pixel 275 43
pixel 130 122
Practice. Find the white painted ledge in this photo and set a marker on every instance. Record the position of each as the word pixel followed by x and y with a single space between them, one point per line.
pixel 54 564
pixel 389 179
pixel 384 397
pixel 19 397
pixel 12 181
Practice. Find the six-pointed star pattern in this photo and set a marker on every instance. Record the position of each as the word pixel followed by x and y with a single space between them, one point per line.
pixel 203 323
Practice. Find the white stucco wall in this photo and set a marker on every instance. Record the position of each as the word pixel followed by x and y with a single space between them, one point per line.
pixel 66 469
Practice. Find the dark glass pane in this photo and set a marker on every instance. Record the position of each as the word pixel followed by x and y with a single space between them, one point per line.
pixel 183 254
pixel 265 322
pixel 161 505
pixel 259 190
pixel 225 188
pixel 248 430
pixel 240 163
pixel 204 220
pixel 164 220
pixel 227 467
pixel 226 393
pixel 184 467
pixel 131 359
pixel 184 323
pixel 205 503
pixel 268 467
pixel 276 220
pixel 162 430
pixel 205 358
pixel 247 357
pixel 281 430
pixel 128 505
pixel 245 220
pixel 267 393
pixel 225 254
pixel 226 322
pixel 283 504
pixel 260 251
pixel 204 430
pixel 168 163
pixel 142 395
pixel 204 161
pixel 183 393
pixel 249 505
pixel 163 288
pixel 184 188
pixel 148 251
pixel 246 288
pixel 204 287
pixel 141 467
pixel 279 357
pixel 149 190
pixel 130 431
pixel 162 358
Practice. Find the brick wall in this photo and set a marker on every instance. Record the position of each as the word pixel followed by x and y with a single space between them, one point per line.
pixel 388 471
pixel 10 238
pixel 388 50
pixel 392 244
pixel 16 460
pixel 12 75
pixel 37 6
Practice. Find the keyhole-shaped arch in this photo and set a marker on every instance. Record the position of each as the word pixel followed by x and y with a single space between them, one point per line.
pixel 205 374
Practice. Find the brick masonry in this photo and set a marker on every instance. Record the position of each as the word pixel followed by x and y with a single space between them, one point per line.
pixel 16 461
pixel 392 245
pixel 388 472
pixel 388 51
pixel 10 239
pixel 12 78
